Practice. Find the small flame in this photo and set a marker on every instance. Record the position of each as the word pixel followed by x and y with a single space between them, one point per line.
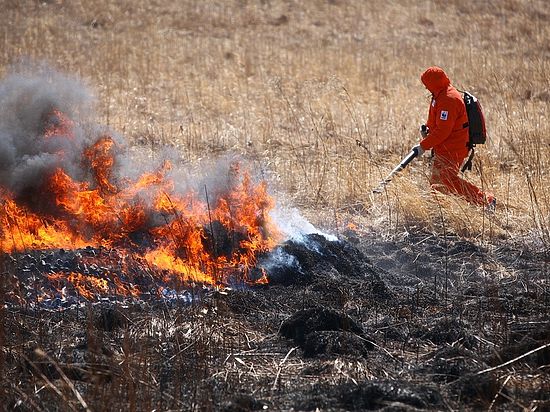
pixel 262 280
pixel 86 286
pixel 91 286
pixel 56 123
pixel 101 162
pixel 352 226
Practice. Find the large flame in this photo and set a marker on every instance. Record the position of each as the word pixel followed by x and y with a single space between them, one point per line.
pixel 189 237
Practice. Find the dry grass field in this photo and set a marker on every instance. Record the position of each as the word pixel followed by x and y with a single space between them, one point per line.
pixel 291 86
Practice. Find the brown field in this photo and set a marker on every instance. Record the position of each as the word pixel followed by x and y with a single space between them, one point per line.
pixel 291 86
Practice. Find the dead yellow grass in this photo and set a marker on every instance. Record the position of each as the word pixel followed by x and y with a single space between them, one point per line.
pixel 293 85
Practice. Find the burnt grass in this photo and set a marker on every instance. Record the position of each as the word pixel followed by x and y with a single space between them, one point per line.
pixel 414 323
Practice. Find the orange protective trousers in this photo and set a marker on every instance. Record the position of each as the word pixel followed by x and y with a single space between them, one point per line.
pixel 445 178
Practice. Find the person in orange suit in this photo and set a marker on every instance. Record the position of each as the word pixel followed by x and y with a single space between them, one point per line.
pixel 446 133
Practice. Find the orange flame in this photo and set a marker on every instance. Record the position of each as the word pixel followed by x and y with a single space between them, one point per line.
pixel 58 124
pixel 86 286
pixel 101 162
pixel 190 237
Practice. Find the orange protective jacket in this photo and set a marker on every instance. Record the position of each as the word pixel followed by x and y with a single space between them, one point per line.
pixel 447 118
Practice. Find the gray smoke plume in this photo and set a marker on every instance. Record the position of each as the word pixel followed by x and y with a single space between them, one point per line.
pixel 35 100
pixel 30 97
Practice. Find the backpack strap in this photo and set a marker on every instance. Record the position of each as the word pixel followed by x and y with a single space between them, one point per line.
pixel 468 164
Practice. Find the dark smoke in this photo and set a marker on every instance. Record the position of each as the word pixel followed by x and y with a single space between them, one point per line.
pixel 27 98
pixel 29 95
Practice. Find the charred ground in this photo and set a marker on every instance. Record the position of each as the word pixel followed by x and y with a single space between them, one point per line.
pixel 413 323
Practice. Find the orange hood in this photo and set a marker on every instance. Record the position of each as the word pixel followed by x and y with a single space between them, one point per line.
pixel 435 79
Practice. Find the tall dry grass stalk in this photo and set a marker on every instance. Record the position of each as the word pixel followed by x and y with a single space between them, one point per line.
pixel 292 86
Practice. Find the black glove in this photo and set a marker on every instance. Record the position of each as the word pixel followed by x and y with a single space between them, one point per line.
pixel 424 131
pixel 418 149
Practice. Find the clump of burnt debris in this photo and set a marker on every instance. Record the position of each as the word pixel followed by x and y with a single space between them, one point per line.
pixel 330 331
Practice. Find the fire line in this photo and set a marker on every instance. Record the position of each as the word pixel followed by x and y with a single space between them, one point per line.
pixel 183 237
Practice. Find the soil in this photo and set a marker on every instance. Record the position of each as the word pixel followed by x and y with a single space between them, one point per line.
pixel 416 323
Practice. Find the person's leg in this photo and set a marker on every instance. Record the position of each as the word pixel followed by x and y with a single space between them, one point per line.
pixel 446 179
